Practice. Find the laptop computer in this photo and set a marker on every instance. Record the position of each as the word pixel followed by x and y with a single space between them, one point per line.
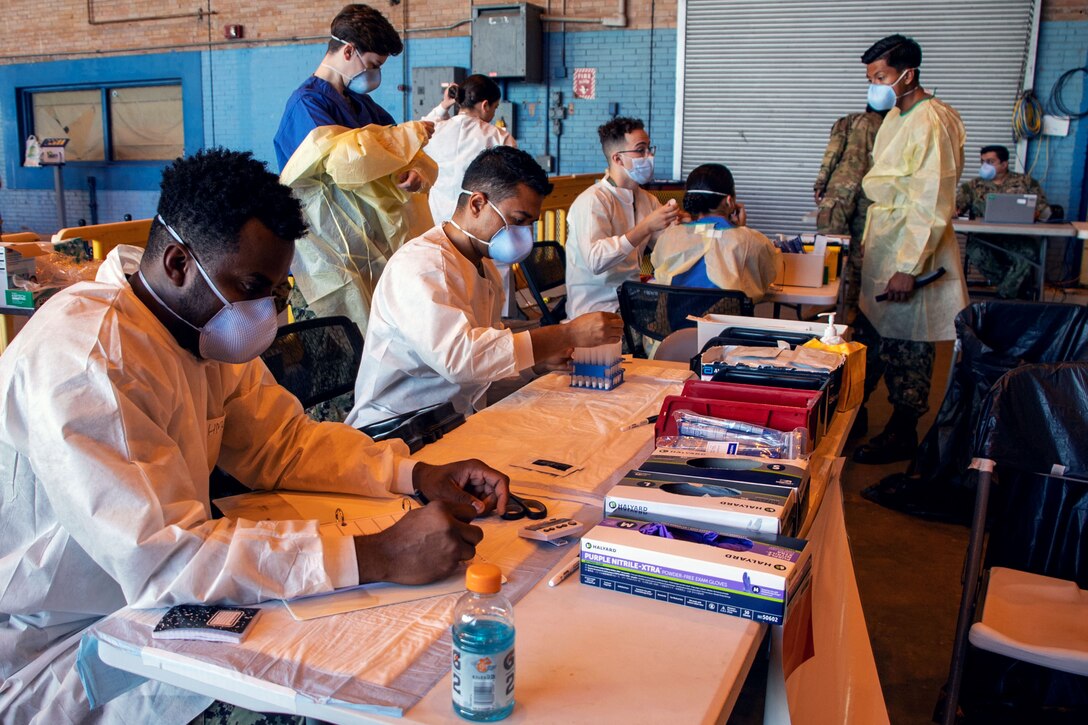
pixel 1010 208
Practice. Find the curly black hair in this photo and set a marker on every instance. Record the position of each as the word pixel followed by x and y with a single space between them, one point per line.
pixel 708 177
pixel 208 197
pixel 614 133
pixel 497 171
pixel 366 29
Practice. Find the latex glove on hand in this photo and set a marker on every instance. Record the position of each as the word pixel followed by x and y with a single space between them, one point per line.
pixel 426 545
pixel 469 483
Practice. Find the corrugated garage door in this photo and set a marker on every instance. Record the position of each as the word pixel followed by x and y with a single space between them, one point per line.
pixel 759 83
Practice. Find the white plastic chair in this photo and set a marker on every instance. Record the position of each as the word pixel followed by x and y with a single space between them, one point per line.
pixel 679 346
pixel 1034 618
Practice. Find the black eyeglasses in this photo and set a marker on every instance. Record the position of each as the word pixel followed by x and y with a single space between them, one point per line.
pixel 643 153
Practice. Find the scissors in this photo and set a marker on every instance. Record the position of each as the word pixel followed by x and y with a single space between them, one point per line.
pixel 521 508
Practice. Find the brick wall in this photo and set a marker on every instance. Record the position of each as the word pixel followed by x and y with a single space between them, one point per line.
pixel 245 85
pixel 62 26
pixel 1058 162
pixel 1064 10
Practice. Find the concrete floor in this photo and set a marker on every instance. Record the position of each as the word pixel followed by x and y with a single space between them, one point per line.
pixel 908 572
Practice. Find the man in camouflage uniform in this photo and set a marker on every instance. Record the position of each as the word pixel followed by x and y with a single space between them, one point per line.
pixel 837 191
pixel 1010 266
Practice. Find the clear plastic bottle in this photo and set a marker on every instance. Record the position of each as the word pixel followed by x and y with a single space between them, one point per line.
pixel 483 647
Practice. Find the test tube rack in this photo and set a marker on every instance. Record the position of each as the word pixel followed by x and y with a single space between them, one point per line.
pixel 597 368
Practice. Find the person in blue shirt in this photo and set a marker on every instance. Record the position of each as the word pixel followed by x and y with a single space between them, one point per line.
pixel 716 249
pixel 362 39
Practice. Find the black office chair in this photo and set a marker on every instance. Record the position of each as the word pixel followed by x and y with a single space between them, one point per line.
pixel 545 269
pixel 655 310
pixel 316 360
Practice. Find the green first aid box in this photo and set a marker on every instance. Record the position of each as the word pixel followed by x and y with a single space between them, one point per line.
pixel 14 263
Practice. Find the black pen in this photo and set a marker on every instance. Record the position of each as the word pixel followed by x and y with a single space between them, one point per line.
pixel 636 424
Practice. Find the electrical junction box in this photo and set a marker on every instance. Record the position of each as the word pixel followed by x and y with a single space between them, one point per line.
pixel 504 117
pixel 506 41
pixel 1055 125
pixel 429 85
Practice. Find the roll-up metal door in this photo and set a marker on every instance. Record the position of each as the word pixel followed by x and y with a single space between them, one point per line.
pixel 760 82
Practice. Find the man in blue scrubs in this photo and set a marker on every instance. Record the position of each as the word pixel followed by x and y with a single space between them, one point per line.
pixel 336 94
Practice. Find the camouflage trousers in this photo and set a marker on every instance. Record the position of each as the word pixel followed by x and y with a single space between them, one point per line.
pixel 836 216
pixel 223 713
pixel 1007 268
pixel 337 409
pixel 905 365
pixel 851 277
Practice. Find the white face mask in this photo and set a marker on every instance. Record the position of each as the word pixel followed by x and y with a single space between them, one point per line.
pixel 883 97
pixel 362 82
pixel 641 171
pixel 239 331
pixel 509 245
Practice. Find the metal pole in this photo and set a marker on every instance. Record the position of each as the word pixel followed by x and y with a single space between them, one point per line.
pixel 58 189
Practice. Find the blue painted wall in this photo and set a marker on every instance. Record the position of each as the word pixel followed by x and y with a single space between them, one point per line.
pixel 27 201
pixel 242 93
pixel 1058 162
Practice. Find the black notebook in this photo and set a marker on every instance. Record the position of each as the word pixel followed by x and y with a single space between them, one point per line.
pixel 214 624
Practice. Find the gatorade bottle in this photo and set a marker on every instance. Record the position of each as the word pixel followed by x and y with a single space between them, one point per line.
pixel 483 647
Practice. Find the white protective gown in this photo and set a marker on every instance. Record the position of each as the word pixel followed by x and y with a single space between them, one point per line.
pixel 599 256
pixel 917 163
pixel 456 143
pixel 109 432
pixel 435 334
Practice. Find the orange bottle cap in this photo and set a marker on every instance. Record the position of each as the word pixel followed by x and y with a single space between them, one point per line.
pixel 483 578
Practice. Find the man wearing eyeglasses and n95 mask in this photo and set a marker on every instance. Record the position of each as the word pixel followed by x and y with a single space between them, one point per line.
pixel 613 222
pixel 435 333
pixel 119 398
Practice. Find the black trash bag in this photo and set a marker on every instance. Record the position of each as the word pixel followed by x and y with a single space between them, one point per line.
pixel 1038 523
pixel 995 336
pixel 1039 515
pixel 999 690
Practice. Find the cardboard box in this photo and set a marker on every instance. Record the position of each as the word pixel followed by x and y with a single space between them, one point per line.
pixel 800 270
pixel 730 470
pixel 16 260
pixel 752 577
pixel 20 259
pixel 647 496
